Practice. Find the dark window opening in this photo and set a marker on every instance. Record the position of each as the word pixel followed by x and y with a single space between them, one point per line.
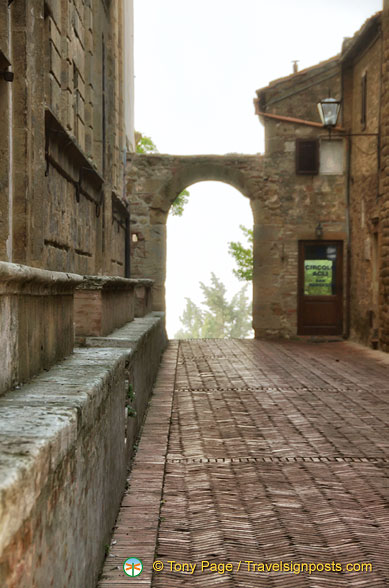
pixel 363 100
pixel 307 156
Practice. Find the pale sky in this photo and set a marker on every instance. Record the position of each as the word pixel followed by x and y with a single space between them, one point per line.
pixel 197 66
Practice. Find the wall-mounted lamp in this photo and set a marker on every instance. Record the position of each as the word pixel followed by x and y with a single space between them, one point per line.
pixel 8 76
pixel 319 231
pixel 329 109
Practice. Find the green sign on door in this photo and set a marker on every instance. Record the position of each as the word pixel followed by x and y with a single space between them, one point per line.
pixel 318 277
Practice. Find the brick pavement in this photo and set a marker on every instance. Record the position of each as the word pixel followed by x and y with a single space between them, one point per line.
pixel 277 451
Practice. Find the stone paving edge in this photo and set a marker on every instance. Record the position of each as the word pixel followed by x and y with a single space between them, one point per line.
pixel 145 485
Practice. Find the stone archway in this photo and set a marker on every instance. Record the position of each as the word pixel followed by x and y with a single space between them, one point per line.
pixel 154 181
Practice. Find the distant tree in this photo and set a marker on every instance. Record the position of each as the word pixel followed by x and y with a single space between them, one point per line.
pixel 192 320
pixel 218 318
pixel 243 255
pixel 144 144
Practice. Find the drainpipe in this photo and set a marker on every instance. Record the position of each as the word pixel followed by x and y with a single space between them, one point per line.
pixel 348 237
pixel 127 249
pixel 9 244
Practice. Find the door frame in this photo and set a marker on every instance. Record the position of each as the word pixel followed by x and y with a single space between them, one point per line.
pixel 337 330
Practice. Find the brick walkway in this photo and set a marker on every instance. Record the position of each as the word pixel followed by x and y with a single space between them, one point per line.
pixel 278 451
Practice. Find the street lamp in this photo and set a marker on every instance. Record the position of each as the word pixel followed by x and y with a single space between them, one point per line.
pixel 329 111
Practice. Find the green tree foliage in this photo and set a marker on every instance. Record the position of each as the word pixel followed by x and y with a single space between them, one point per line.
pixel 218 319
pixel 145 144
pixel 192 320
pixel 243 255
pixel 178 205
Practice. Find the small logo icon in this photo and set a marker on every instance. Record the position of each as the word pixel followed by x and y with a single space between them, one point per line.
pixel 133 567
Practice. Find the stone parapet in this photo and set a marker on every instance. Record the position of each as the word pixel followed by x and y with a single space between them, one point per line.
pixel 143 297
pixel 146 337
pixel 36 320
pixel 64 447
pixel 105 303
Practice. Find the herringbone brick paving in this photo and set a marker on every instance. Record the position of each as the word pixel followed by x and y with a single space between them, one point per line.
pixel 277 451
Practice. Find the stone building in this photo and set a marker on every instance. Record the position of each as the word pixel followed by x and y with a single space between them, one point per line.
pixel 307 171
pixel 384 186
pixel 363 70
pixel 347 184
pixel 63 135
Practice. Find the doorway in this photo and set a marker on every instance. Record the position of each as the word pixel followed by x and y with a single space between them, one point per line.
pixel 320 288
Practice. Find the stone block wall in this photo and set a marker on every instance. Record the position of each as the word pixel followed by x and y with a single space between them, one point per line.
pixel 292 207
pixel 143 297
pixel 294 204
pixel 104 303
pixel 62 163
pixel 384 187
pixel 363 151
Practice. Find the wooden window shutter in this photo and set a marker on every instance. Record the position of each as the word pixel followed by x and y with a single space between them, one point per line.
pixel 307 156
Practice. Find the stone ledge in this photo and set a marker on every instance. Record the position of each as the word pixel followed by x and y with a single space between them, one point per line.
pixel 107 283
pixel 63 457
pixel 126 337
pixel 146 338
pixel 43 425
pixel 23 279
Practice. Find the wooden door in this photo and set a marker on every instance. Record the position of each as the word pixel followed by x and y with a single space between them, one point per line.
pixel 320 288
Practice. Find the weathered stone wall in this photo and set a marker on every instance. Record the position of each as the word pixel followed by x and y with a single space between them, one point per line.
pixel 299 202
pixel 291 208
pixel 384 186
pixel 285 209
pixel 64 449
pixel 5 89
pixel 363 145
pixel 57 211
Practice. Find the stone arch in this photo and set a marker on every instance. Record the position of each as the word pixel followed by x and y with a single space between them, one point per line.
pixel 158 179
pixel 206 169
pixel 153 182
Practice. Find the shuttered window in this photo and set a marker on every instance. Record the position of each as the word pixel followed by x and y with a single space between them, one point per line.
pixel 307 156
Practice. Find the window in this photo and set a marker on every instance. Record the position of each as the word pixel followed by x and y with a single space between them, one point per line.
pixel 363 100
pixel 307 156
pixel 331 157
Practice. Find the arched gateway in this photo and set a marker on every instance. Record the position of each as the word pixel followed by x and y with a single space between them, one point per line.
pixel 282 217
